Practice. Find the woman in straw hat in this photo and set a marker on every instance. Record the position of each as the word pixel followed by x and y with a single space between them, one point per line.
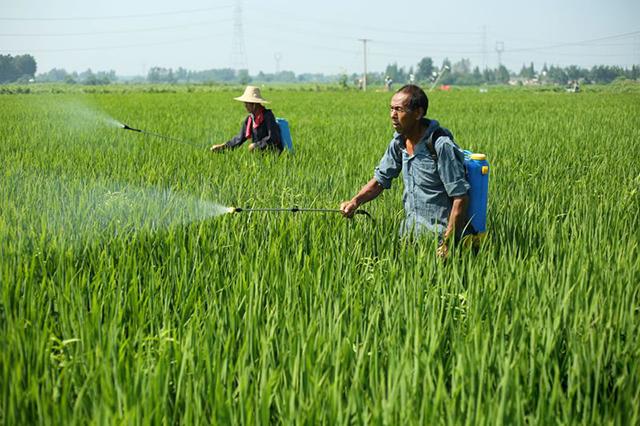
pixel 260 125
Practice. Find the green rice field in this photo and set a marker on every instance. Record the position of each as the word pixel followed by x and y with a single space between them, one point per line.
pixel 129 294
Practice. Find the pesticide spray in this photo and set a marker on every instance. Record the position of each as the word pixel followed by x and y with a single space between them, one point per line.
pixel 75 210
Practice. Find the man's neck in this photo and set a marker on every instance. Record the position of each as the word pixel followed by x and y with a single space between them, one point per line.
pixel 416 134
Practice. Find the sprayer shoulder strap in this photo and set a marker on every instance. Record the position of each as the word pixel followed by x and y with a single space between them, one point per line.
pixel 431 142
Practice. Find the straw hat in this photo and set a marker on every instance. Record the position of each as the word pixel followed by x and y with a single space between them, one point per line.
pixel 252 94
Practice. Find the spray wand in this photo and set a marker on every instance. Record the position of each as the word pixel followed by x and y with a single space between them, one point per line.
pixel 295 210
pixel 157 135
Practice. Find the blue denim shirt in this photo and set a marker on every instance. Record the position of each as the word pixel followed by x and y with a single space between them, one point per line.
pixel 428 189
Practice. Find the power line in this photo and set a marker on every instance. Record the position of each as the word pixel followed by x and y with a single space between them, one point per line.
pixel 306 44
pixel 352 25
pixel 576 43
pixel 125 46
pixel 295 29
pixel 418 55
pixel 438 46
pixel 141 30
pixel 144 15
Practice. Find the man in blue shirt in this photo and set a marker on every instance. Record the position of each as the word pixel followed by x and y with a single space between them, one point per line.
pixel 435 187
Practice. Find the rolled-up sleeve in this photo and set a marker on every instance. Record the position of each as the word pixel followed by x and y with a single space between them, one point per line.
pixel 451 168
pixel 390 166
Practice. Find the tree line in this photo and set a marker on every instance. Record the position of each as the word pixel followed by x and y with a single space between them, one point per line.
pixel 462 73
pixel 21 68
pixel 88 77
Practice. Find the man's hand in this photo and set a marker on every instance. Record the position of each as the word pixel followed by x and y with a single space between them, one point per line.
pixel 348 208
pixel 368 192
pixel 217 148
pixel 252 146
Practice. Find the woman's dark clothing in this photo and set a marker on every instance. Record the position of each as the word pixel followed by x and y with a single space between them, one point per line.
pixel 265 136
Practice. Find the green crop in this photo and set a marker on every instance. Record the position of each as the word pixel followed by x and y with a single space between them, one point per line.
pixel 128 296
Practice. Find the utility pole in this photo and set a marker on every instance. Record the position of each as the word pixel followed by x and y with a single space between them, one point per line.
pixel 278 57
pixel 364 78
pixel 484 47
pixel 238 55
pixel 499 50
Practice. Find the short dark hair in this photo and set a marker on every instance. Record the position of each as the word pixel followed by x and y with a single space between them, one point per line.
pixel 417 97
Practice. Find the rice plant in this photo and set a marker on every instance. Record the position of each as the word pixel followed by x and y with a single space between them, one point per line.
pixel 128 294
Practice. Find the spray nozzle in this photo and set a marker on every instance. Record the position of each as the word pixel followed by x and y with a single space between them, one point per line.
pixel 126 127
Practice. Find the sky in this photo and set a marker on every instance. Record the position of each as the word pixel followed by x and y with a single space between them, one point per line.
pixel 324 36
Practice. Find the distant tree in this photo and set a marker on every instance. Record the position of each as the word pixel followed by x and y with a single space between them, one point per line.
pixel 264 77
pixel 574 73
pixel 53 75
pixel 160 75
pixel 223 74
pixel 343 80
pixel 424 69
pixel 398 75
pixel 527 71
pixel 502 75
pixel 477 76
pixel 488 76
pixel 605 74
pixel 285 77
pixel 391 71
pixel 458 73
pixel 243 76
pixel 95 79
pixel 375 78
pixel 154 75
pixel 8 70
pixel 557 75
pixel 319 78
pixel 26 65
pixel 181 74
pixel 462 67
pixel 85 76
pixel 103 77
pixel 544 73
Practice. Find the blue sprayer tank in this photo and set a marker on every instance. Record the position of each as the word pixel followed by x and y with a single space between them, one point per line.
pixel 478 176
pixel 285 134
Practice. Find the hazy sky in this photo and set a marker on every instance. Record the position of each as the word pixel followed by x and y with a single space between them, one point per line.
pixel 321 36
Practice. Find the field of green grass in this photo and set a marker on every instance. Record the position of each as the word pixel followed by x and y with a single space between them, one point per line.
pixel 127 298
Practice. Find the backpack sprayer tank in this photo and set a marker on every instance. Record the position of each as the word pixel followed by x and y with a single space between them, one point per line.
pixel 285 134
pixel 478 175
pixel 477 171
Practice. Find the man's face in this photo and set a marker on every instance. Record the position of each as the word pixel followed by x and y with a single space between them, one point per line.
pixel 403 119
